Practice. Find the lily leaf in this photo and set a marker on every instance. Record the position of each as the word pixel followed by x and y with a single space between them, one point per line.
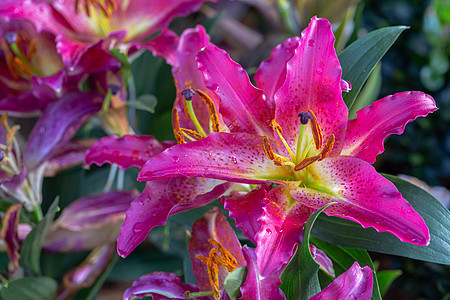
pixel 29 288
pixel 30 253
pixel 344 257
pixel 360 58
pixel 350 234
pixel 385 279
pixel 300 278
pixel 233 282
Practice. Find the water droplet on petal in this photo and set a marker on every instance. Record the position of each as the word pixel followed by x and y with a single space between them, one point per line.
pixel 141 201
pixel 319 70
pixel 175 159
pixel 311 42
pixel 138 227
pixel 234 160
pixel 268 231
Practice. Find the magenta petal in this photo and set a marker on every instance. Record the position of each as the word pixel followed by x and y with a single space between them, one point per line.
pixel 127 151
pixel 281 230
pixel 71 154
pixel 313 81
pixel 159 285
pixel 271 73
pixel 164 45
pixel 242 106
pixel 9 234
pixel 58 124
pixel 87 272
pixel 355 283
pixel 213 225
pixel 160 199
pixel 88 222
pixel 234 157
pixel 256 286
pixel 363 196
pixel 322 259
pixel 246 208
pixel 366 133
pixel 187 75
pixel 93 58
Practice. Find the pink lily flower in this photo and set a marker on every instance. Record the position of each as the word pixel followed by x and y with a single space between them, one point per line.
pixel 123 24
pixel 294 131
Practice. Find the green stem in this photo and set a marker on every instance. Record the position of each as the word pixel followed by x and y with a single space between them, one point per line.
pixel 37 214
pixel 194 118
pixel 285 9
pixel 199 294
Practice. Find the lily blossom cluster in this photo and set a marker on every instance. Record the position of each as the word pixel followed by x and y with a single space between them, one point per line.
pixel 292 131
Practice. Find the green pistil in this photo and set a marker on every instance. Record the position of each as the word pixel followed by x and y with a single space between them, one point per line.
pixel 194 117
pixel 299 153
pixel 106 102
pixel 37 214
pixel 15 49
pixel 7 169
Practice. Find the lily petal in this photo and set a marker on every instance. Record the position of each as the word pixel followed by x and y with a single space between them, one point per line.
pixel 256 286
pixel 160 285
pixel 242 106
pixel 71 154
pixel 164 45
pixel 322 259
pixel 233 157
pixel 58 124
pixel 88 222
pixel 271 73
pixel 160 199
pixel 127 151
pixel 246 208
pixel 355 283
pixel 366 133
pixel 9 233
pixel 213 225
pixel 313 81
pixel 187 75
pixel 363 196
pixel 281 230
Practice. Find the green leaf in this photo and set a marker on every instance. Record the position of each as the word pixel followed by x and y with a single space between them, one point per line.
pixel 385 279
pixel 145 102
pixel 360 58
pixel 344 257
pixel 369 92
pixel 233 282
pixel 30 288
pixel 437 217
pixel 300 279
pixel 30 253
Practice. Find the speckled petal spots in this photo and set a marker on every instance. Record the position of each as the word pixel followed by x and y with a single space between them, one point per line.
pixel 127 151
pixel 213 225
pixel 313 82
pixel 233 157
pixel 366 133
pixel 355 283
pixel 363 196
pixel 160 199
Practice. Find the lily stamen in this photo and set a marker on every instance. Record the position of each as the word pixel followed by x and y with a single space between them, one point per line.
pixel 316 131
pixel 176 126
pixel 212 110
pixel 192 134
pixel 188 94
pixel 279 131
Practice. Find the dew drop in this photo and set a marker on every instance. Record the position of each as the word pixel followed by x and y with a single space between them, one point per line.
pixel 175 159
pixel 135 154
pixel 268 231
pixel 234 160
pixel 319 70
pixel 311 42
pixel 141 201
pixel 138 227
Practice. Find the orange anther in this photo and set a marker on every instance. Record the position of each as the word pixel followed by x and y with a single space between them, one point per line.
pixel 306 162
pixel 193 134
pixel 328 147
pixel 227 259
pixel 176 126
pixel 276 126
pixel 212 110
pixel 267 149
pixel 316 131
